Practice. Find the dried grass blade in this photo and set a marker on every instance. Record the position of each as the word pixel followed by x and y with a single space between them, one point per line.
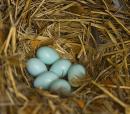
pixel 117 20
pixel 110 95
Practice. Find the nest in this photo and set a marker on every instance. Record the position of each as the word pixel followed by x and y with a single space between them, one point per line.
pixel 95 33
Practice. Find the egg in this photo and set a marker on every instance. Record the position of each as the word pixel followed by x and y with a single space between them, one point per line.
pixel 35 67
pixel 60 86
pixel 76 72
pixel 45 79
pixel 61 67
pixel 47 55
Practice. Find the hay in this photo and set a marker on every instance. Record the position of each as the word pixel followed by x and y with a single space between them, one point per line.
pixel 92 32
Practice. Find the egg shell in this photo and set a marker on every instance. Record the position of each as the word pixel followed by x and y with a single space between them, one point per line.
pixel 47 55
pixel 76 72
pixel 35 67
pixel 61 67
pixel 60 86
pixel 45 79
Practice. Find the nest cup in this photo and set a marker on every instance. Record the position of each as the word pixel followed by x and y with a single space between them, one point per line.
pixel 94 33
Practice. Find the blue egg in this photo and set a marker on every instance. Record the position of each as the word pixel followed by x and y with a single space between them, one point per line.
pixel 45 79
pixel 35 67
pixel 76 72
pixel 61 67
pixel 47 55
pixel 60 86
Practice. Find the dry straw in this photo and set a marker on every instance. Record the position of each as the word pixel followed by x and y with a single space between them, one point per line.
pixel 95 33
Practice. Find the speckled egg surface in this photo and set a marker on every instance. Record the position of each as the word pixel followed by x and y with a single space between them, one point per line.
pixel 47 55
pixel 60 86
pixel 35 67
pixel 76 71
pixel 45 79
pixel 61 67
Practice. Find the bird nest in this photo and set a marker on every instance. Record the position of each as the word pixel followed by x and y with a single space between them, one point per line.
pixel 95 33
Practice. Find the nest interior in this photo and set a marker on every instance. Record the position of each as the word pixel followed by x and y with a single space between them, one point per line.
pixel 94 33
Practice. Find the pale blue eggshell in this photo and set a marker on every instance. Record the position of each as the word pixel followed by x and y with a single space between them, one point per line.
pixel 60 86
pixel 61 67
pixel 47 55
pixel 76 72
pixel 45 79
pixel 35 66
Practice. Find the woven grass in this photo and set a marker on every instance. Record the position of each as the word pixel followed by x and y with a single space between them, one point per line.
pixel 95 33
